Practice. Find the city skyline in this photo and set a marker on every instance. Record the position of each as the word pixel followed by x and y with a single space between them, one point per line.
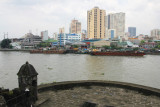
pixel 18 17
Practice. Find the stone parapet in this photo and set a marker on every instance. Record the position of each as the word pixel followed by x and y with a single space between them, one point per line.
pixel 71 84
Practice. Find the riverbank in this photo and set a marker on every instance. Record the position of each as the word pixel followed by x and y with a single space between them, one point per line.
pixel 72 51
pixel 152 53
pixel 98 94
pixel 26 50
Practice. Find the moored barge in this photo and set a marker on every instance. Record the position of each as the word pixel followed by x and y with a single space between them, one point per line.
pixel 118 53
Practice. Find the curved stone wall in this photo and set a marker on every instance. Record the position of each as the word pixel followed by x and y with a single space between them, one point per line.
pixel 71 84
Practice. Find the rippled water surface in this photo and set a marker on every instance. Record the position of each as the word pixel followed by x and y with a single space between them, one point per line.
pixel 70 67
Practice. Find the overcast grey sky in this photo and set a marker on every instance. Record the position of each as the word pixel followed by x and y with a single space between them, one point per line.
pixel 17 17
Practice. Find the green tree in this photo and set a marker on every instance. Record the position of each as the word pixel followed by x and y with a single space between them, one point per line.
pixel 44 44
pixel 113 46
pixel 119 48
pixel 149 40
pixel 75 46
pixel 142 42
pixel 136 49
pixel 93 47
pixel 106 47
pixel 6 43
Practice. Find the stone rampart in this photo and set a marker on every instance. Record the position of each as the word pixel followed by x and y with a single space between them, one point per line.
pixel 71 84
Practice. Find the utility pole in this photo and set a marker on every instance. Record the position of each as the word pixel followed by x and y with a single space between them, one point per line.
pixel 4 35
pixel 7 35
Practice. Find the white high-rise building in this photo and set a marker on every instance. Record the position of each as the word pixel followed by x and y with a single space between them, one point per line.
pixel 115 21
pixel 55 36
pixel 155 33
pixel 44 35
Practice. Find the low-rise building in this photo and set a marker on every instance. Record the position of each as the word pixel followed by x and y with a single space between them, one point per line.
pixel 63 38
pixel 100 43
pixel 148 45
pixel 141 37
pixel 30 41
pixel 134 40
pixel 148 38
pixel 16 45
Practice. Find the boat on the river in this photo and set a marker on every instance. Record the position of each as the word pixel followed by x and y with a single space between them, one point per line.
pixel 118 53
pixel 48 51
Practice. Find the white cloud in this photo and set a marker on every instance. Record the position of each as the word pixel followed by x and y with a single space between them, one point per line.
pixel 19 16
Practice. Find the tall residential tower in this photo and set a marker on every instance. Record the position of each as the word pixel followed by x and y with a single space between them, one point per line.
pixel 96 23
pixel 115 22
pixel 75 27
pixel 155 33
pixel 44 35
pixel 132 31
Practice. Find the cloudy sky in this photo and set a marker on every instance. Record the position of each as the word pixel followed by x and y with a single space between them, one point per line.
pixel 17 17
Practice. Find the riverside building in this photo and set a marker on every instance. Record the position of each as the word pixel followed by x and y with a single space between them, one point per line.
pixel 96 23
pixel 30 41
pixel 132 31
pixel 115 22
pixel 75 27
pixel 44 35
pixel 155 33
pixel 63 38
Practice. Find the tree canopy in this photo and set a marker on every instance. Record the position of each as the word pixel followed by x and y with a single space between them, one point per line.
pixel 75 46
pixel 142 42
pixel 44 44
pixel 6 43
pixel 106 47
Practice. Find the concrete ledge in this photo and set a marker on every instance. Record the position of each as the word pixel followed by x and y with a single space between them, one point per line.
pixel 86 83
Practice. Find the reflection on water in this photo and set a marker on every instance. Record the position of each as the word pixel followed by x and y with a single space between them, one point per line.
pixel 70 67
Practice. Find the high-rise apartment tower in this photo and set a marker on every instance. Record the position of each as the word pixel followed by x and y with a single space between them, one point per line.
pixel 96 23
pixel 155 33
pixel 75 27
pixel 132 31
pixel 116 22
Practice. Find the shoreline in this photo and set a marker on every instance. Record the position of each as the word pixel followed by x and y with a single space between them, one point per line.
pixel 15 50
pixel 28 50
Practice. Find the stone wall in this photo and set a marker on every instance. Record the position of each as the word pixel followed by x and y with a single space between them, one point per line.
pixel 71 84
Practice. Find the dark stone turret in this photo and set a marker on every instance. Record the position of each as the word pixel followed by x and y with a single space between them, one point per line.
pixel 27 78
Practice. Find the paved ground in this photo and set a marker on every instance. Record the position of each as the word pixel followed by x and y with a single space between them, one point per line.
pixel 102 96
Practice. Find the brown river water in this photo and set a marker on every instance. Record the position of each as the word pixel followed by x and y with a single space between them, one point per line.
pixel 72 67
